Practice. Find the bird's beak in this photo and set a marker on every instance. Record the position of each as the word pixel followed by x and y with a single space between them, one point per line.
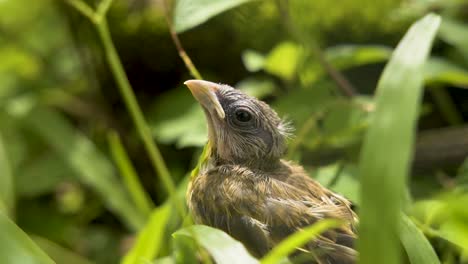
pixel 205 93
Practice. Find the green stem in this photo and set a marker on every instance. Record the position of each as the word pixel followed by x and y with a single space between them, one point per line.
pixel 134 109
pixel 129 175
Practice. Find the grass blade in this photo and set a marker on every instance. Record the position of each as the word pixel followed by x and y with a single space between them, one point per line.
pixel 298 239
pixel 59 253
pixel 17 247
pixel 150 238
pixel 388 145
pixel 417 246
pixel 7 195
pixel 129 175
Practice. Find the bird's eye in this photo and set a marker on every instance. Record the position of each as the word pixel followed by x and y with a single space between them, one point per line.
pixel 243 116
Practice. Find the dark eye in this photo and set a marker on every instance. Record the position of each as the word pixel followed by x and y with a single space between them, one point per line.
pixel 243 116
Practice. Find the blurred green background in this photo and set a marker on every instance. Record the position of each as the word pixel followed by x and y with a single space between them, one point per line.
pixel 65 132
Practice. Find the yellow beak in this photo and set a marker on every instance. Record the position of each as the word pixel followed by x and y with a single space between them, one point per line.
pixel 205 93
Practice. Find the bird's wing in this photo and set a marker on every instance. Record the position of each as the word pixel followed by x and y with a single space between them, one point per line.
pixel 284 209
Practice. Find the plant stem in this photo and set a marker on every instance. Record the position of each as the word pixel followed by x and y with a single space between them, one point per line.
pixel 134 109
pixel 180 49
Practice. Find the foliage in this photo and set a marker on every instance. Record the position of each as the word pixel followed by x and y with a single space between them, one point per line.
pixel 88 86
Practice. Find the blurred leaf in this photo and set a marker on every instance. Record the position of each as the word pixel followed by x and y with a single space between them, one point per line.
pixel 343 57
pixel 7 195
pixel 341 179
pixel 150 238
pixel 41 175
pixel 186 251
pixel 17 247
pixel 191 13
pixel 388 145
pixel 347 56
pixel 439 70
pixel 417 246
pixel 282 61
pixel 258 88
pixel 300 104
pixel 130 178
pixel 19 62
pixel 455 33
pixel 58 253
pixel 253 61
pixel 170 126
pixel 462 175
pixel 223 248
pixel 90 165
pixel 297 240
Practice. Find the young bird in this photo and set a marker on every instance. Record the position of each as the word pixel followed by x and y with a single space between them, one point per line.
pixel 246 189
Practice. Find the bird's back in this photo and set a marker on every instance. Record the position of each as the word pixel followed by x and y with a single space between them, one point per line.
pixel 261 207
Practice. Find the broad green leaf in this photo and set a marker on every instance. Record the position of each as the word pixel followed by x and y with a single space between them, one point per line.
pixel 297 240
pixel 58 253
pixel 17 247
pixel 283 60
pixel 417 247
pixel 150 238
pixel 191 13
pixel 388 144
pixel 7 194
pixel 89 164
pixel 223 248
pixel 439 70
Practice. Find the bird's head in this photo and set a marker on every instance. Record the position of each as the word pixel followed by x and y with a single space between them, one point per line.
pixel 241 129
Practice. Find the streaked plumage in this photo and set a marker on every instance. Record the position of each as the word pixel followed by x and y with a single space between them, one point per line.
pixel 247 190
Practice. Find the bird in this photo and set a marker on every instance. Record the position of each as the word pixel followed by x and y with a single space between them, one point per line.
pixel 245 187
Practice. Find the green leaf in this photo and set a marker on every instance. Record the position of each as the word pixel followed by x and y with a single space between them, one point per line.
pixel 7 194
pixel 388 145
pixel 347 56
pixel 253 61
pixel 258 88
pixel 456 34
pixel 297 240
pixel 41 175
pixel 89 164
pixel 191 13
pixel 439 70
pixel 283 60
pixel 58 253
pixel 223 248
pixel 150 238
pixel 17 247
pixel 417 247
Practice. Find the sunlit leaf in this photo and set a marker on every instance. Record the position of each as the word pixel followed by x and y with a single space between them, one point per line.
pixel 346 56
pixel 257 88
pixel 150 238
pixel 417 246
pixel 297 240
pixel 17 247
pixel 253 61
pixel 191 13
pixel 388 145
pixel 283 60
pixel 223 248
